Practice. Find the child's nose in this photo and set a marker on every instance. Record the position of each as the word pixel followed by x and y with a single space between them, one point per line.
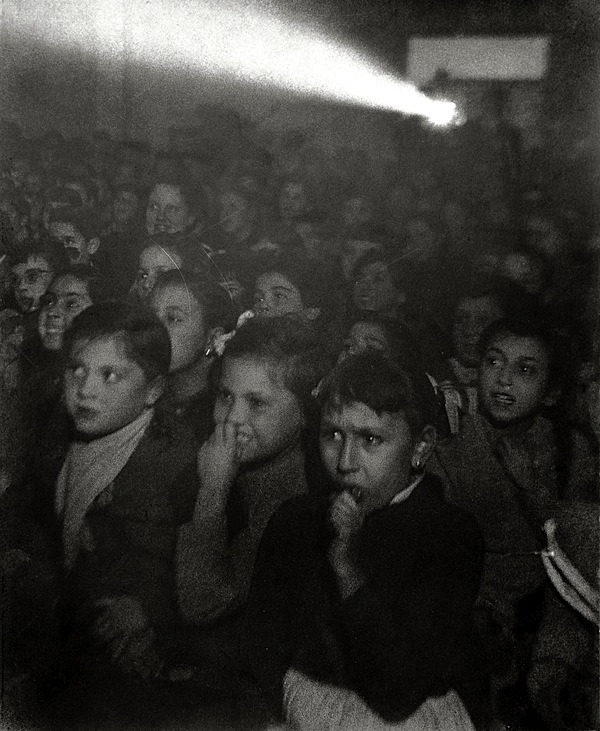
pixel 86 387
pixel 237 413
pixel 505 377
pixel 261 306
pixel 346 457
pixel 147 283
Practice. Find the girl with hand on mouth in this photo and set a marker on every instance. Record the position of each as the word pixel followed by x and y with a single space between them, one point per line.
pixel 359 615
pixel 512 466
pixel 252 462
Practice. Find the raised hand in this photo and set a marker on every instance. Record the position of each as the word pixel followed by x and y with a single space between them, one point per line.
pixel 218 464
pixel 346 519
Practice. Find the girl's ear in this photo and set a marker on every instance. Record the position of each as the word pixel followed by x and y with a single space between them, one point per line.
pixel 93 245
pixel 155 390
pixel 423 448
pixel 311 313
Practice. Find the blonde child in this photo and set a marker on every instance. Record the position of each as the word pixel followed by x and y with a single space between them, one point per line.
pixel 251 463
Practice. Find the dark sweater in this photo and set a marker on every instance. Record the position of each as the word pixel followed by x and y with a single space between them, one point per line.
pixel 404 636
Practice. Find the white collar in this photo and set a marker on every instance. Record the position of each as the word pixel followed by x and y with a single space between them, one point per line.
pixel 403 495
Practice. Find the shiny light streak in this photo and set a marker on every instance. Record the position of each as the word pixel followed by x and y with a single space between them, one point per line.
pixel 250 42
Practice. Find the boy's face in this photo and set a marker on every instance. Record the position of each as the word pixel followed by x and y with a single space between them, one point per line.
pixel 154 260
pixel 235 213
pixel 274 295
pixel 167 210
pixel 78 249
pixel 66 297
pixel 513 378
pixel 374 290
pixel 471 318
pixel 367 455
pixel 182 315
pixel 266 414
pixel 104 389
pixel 30 281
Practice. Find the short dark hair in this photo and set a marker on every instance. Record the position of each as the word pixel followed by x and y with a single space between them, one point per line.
pixel 288 344
pixel 535 325
pixel 217 308
pixel 384 386
pixel 144 337
pixel 317 285
pixel 52 251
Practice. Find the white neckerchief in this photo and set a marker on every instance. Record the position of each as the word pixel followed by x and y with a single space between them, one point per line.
pixel 89 468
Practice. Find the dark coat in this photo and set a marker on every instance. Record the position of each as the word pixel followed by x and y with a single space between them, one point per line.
pixel 402 637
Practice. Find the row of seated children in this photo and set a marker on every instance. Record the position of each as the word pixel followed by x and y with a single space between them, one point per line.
pixel 121 505
pixel 258 422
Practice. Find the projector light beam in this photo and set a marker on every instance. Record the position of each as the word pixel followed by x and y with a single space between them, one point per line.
pixel 255 43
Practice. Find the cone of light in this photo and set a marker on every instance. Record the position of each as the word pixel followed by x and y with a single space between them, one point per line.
pixel 251 42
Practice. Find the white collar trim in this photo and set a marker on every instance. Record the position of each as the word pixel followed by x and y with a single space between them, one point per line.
pixel 403 495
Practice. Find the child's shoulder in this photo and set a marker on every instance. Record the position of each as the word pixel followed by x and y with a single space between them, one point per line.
pixel 171 439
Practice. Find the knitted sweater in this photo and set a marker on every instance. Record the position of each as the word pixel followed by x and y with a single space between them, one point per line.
pixel 215 557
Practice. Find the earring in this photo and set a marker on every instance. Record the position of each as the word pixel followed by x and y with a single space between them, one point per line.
pixel 417 464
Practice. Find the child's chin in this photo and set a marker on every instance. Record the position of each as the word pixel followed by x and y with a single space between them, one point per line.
pixel 502 420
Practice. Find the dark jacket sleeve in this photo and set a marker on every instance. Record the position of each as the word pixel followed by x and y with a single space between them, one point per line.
pixel 285 558
pixel 406 626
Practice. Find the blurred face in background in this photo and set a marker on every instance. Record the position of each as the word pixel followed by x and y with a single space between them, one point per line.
pixel 79 250
pixel 236 214
pixel 375 290
pixel 167 210
pixel 183 316
pixel 154 260
pixel 363 336
pixel 66 297
pixel 30 281
pixel 292 201
pixel 472 317
pixel 274 295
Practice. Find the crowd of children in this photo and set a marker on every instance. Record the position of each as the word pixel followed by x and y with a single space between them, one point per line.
pixel 282 445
